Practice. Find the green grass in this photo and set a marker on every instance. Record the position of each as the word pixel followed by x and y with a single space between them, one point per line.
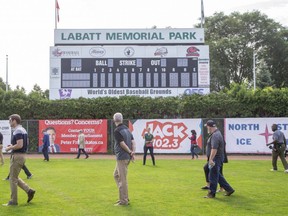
pixel 86 187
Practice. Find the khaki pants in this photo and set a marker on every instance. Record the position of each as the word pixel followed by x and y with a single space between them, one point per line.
pixel 120 176
pixel 16 163
pixel 1 154
pixel 280 151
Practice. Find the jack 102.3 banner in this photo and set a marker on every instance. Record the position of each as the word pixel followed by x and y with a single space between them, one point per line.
pixel 63 135
pixel 151 71
pixel 170 135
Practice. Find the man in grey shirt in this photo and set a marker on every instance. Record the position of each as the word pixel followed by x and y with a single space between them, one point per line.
pixel 124 149
pixel 278 149
pixel 215 153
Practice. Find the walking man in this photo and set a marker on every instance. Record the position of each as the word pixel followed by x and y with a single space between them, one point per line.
pixel 278 149
pixel 215 153
pixel 46 144
pixel 124 149
pixel 81 144
pixel 18 147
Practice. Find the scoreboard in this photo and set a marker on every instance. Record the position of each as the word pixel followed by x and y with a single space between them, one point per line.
pixel 99 71
pixel 129 73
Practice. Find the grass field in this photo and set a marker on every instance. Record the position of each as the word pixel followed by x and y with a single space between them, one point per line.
pixel 86 187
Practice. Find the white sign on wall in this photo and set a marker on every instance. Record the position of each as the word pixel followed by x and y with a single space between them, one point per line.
pixel 129 36
pixel 171 135
pixel 250 135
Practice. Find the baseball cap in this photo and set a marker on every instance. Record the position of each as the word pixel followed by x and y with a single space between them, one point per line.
pixel 210 123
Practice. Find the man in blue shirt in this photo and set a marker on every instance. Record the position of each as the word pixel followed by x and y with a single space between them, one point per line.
pixel 18 147
pixel 215 153
pixel 124 149
pixel 46 144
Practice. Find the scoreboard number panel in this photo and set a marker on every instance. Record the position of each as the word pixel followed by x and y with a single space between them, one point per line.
pixel 129 72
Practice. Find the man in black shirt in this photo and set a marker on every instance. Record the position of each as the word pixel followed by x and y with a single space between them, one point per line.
pixel 124 149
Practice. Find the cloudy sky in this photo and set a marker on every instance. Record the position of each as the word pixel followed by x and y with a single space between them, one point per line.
pixel 27 27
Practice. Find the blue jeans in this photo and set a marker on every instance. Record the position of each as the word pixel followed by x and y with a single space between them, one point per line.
pixel 216 177
pixel 193 152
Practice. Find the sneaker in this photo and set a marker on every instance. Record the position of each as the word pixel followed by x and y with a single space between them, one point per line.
pixel 210 195
pixel 29 177
pixel 118 201
pixel 205 187
pixel 87 157
pixel 6 179
pixel 10 203
pixel 220 190
pixel 286 171
pixel 30 194
pixel 273 170
pixel 228 193
pixel 121 204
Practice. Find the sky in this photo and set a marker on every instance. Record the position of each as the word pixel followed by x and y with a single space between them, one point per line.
pixel 27 26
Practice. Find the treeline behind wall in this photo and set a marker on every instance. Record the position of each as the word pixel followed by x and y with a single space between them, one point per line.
pixel 238 101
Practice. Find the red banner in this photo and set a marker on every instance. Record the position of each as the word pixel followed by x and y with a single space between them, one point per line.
pixel 63 134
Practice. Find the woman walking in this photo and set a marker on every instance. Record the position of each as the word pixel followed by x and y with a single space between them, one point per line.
pixel 193 144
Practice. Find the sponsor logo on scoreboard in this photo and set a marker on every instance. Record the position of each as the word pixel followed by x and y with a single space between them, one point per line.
pixel 59 53
pixel 193 51
pixel 191 91
pixel 162 51
pixel 97 51
pixel 54 72
pixel 129 51
pixel 65 93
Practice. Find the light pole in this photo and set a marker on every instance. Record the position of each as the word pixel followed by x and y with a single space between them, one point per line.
pixel 254 69
pixel 6 73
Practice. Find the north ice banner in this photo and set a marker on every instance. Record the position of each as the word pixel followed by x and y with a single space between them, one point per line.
pixel 171 135
pixel 5 129
pixel 64 134
pixel 250 135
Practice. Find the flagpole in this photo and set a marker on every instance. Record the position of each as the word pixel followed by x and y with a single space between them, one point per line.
pixel 202 13
pixel 55 14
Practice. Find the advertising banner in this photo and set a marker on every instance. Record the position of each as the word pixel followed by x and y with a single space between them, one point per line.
pixel 5 129
pixel 64 135
pixel 171 135
pixel 250 135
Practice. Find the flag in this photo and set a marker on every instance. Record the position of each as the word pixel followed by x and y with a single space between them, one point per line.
pixel 202 14
pixel 57 8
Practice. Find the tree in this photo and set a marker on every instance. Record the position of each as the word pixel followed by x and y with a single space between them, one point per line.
pixel 276 57
pixel 18 88
pixel 233 39
pixel 3 85
pixel 263 77
pixel 38 93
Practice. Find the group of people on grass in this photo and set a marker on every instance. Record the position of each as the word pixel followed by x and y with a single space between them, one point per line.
pixel 124 149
